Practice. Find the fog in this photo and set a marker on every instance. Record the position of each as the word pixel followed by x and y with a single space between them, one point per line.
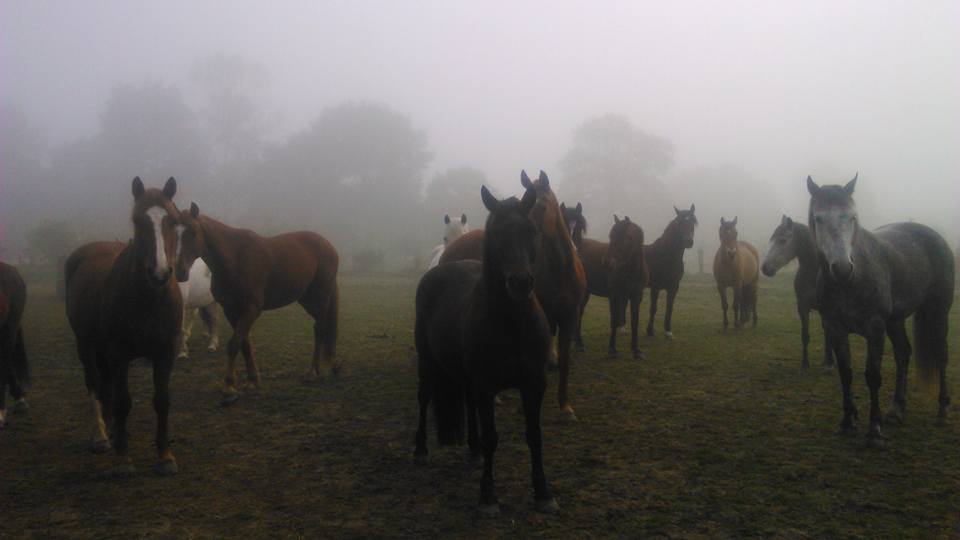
pixel 339 116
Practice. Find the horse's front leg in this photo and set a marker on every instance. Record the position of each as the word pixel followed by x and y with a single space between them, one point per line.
pixel 162 366
pixel 579 337
pixel 897 332
pixel 488 507
pixel 242 325
pixel 119 368
pixel 211 317
pixel 565 338
pixel 654 298
pixel 737 299
pixel 614 302
pixel 635 300
pixel 668 317
pixel 804 313
pixel 186 329
pixel 532 402
pixel 875 341
pixel 723 305
pixel 840 342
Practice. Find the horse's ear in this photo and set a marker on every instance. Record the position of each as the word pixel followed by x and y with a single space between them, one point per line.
pixel 446 219
pixel 734 221
pixel 529 199
pixel 137 188
pixel 579 208
pixel 544 181
pixel 194 210
pixel 563 207
pixel 812 187
pixel 626 218
pixel 677 210
pixel 783 219
pixel 489 200
pixel 693 207
pixel 463 219
pixel 851 184
pixel 789 221
pixel 616 219
pixel 525 180
pixel 170 188
pixel 722 221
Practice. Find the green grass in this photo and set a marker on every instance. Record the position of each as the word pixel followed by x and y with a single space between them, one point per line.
pixel 712 435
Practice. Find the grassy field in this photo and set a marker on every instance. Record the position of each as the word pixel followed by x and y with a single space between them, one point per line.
pixel 713 435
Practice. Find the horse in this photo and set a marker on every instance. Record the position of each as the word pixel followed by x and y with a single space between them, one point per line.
pixel 479 329
pixel 198 298
pixel 122 304
pixel 736 265
pixel 576 223
pixel 618 271
pixel 790 241
pixel 665 264
pixel 560 281
pixel 452 230
pixel 14 369
pixel 869 284
pixel 252 273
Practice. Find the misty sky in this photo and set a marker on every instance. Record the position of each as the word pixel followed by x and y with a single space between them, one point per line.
pixel 780 89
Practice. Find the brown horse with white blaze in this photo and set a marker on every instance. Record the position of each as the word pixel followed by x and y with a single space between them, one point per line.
pixel 736 265
pixel 252 273
pixel 122 304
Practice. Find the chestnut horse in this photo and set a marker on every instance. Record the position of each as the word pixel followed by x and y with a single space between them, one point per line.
pixel 618 271
pixel 252 273
pixel 560 281
pixel 480 329
pixel 736 265
pixel 14 370
pixel 665 264
pixel 122 304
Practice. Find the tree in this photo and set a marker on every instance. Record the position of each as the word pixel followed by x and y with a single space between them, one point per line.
pixel 49 241
pixel 615 167
pixel 454 192
pixel 24 175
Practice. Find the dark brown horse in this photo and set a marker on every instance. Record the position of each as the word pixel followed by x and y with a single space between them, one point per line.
pixel 252 273
pixel 14 370
pixel 618 271
pixel 736 265
pixel 122 304
pixel 576 222
pixel 560 281
pixel 665 263
pixel 480 329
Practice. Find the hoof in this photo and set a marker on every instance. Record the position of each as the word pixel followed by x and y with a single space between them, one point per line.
pixel 668 336
pixel 876 440
pixel 894 416
pixel 167 467
pixel 212 349
pixel 229 399
pixel 101 446
pixel 568 414
pixel 488 510
pixel 123 467
pixel 20 406
pixel 547 506
pixel 183 356
pixel 420 458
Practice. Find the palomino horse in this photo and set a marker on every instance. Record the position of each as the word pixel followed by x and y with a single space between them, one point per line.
pixel 665 264
pixel 198 298
pixel 122 305
pixel 560 281
pixel 736 265
pixel 790 241
pixel 618 271
pixel 14 370
pixel 869 283
pixel 252 273
pixel 452 229
pixel 480 329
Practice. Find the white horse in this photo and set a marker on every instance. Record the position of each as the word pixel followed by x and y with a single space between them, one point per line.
pixel 452 229
pixel 197 297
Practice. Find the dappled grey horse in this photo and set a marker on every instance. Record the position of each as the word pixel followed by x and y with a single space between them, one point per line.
pixel 790 241
pixel 869 283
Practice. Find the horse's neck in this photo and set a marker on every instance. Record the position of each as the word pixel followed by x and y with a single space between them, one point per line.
pixel 557 252
pixel 218 242
pixel 806 250
pixel 668 245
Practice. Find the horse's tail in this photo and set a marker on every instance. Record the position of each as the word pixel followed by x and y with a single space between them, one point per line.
pixel 20 368
pixel 930 325
pixel 448 408
pixel 330 323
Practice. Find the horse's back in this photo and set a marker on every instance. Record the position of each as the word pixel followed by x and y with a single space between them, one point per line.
pixel 749 265
pixel 922 261
pixel 13 292
pixel 298 261
pixel 443 296
pixel 468 247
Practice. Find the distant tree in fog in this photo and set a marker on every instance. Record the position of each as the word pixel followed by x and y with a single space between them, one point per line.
pixel 615 167
pixel 50 241
pixel 24 175
pixel 454 192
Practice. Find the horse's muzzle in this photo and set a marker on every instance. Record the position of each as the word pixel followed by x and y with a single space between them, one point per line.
pixel 159 278
pixel 842 271
pixel 768 270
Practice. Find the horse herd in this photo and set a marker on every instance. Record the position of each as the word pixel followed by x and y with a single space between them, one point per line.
pixel 496 307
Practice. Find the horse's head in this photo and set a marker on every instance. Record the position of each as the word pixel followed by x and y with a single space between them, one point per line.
pixel 154 230
pixel 728 237
pixel 510 242
pixel 454 228
pixel 190 241
pixel 625 253
pixel 546 210
pixel 575 222
pixel 833 224
pixel 685 222
pixel 782 248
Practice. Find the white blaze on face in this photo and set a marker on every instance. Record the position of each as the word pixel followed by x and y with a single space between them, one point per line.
pixel 156 215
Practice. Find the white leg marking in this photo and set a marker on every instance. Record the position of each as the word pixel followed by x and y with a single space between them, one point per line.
pixel 99 426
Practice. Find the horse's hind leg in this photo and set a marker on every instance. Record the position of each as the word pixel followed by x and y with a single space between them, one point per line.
pixel 875 340
pixel 16 385
pixel 95 388
pixel 323 308
pixel 804 335
pixel 424 394
pixel 897 332
pixel 210 317
pixel 532 402
pixel 489 507
pixel 668 317
pixel 121 411
pixel 654 296
pixel 635 300
pixel 186 329
pixel 240 341
pixel 579 337
pixel 614 302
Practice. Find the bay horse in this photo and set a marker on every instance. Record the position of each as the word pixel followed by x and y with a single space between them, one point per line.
pixel 792 240
pixel 252 273
pixel 665 264
pixel 14 369
pixel 452 229
pixel 576 223
pixel 736 265
pixel 197 298
pixel 560 280
pixel 617 271
pixel 122 304
pixel 869 283
pixel 480 329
